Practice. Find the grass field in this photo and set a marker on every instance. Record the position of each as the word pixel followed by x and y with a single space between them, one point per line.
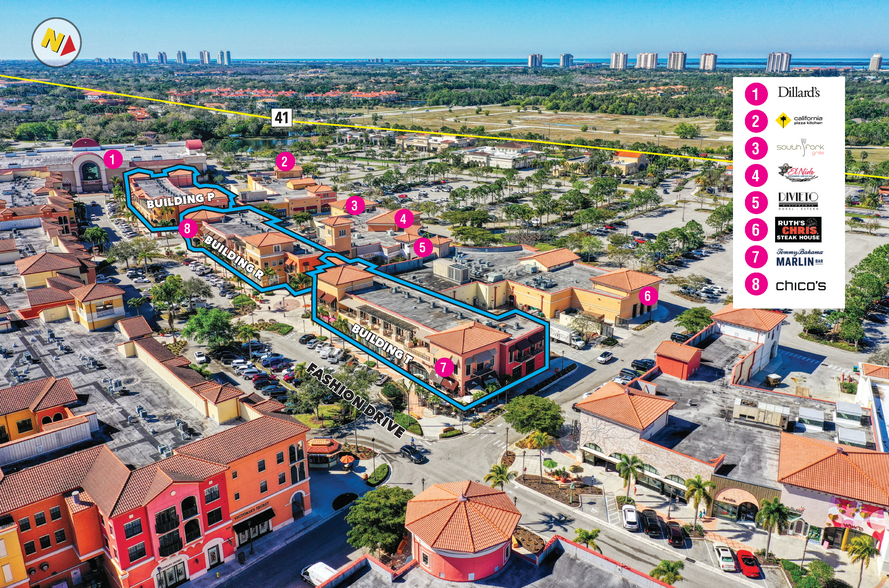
pixel 328 411
pixel 874 154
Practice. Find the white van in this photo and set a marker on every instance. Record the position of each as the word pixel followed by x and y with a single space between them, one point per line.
pixel 318 573
pixel 335 356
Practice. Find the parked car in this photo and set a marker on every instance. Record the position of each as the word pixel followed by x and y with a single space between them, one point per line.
pixel 679 337
pixel 622 380
pixel 875 318
pixel 650 236
pixel 103 280
pixel 643 365
pixel 142 281
pixel 630 517
pixel 250 372
pixel 313 343
pixel 201 357
pixel 275 391
pixel 674 533
pixel 382 379
pixel 280 367
pixel 413 454
pixel 236 363
pixel 749 564
pixel 651 523
pixel 228 358
pixel 273 361
pixel 326 351
pixel 305 339
pixel 637 234
pixel 725 557
pixel 628 373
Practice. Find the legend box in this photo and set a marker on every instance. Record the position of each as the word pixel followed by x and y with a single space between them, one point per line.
pixel 789 151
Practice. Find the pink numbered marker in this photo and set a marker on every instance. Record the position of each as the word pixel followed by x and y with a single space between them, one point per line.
pixel 404 218
pixel 756 229
pixel 756 94
pixel 648 296
pixel 188 228
pixel 756 256
pixel 756 202
pixel 756 148
pixel 423 247
pixel 285 161
pixel 112 158
pixel 444 367
pixel 756 284
pixel 756 121
pixel 355 205
pixel 756 175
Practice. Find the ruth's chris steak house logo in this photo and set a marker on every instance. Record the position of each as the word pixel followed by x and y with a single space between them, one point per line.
pixel 797 230
pixel 803 147
pixel 796 201
pixel 796 174
pixel 801 257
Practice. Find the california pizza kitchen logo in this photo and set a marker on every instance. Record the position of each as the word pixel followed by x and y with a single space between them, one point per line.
pixel 797 174
pixel 56 42
pixel 796 201
pixel 799 258
pixel 803 147
pixel 784 120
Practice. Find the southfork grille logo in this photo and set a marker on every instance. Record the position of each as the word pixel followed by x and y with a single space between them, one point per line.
pixel 56 42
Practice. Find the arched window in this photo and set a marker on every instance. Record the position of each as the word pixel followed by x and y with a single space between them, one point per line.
pixel 676 480
pixel 293 454
pixel 59 416
pixel 298 473
pixel 89 172
pixel 192 531
pixel 45 420
pixel 189 507
pixel 300 454
pixel 594 447
pixel 302 471
pixel 650 469
pixel 615 456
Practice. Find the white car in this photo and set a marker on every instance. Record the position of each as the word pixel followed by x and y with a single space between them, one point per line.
pixel 326 352
pixel 239 363
pixel 103 280
pixel 201 357
pixel 725 557
pixel 605 357
pixel 324 349
pixel 142 281
pixel 630 517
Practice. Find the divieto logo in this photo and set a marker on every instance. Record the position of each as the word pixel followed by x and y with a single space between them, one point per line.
pixel 796 174
pixel 795 201
pixel 56 42
pixel 804 147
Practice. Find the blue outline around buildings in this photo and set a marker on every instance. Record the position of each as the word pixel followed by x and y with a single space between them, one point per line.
pixel 326 258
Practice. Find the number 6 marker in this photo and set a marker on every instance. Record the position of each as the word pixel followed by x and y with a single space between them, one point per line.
pixel 648 296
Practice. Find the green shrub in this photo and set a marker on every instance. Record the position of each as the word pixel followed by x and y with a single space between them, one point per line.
pixel 610 341
pixel 452 433
pixel 477 423
pixel 820 569
pixel 409 423
pixel 622 500
pixel 379 475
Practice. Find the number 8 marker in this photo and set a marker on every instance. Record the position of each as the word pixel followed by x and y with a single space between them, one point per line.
pixel 355 205
pixel 188 228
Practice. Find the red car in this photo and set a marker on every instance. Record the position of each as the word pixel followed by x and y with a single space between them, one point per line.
pixel 611 227
pixel 258 377
pixel 640 240
pixel 186 261
pixel 749 565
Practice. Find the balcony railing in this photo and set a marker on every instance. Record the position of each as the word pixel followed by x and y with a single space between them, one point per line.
pixel 189 512
pixel 170 548
pixel 166 525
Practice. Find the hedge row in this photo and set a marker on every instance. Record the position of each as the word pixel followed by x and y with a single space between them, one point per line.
pixel 541 385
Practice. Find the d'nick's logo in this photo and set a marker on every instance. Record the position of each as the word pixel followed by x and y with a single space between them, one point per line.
pixel 797 230
pixel 795 201
pixel 796 174
pixel 56 42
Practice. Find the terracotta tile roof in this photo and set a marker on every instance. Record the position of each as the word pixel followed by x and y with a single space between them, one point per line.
pixel 37 395
pixel 134 327
pixel 838 470
pixel 553 257
pixel 47 262
pixel 319 188
pixel 467 337
pixel 626 280
pixel 343 274
pixel 875 371
pixel 237 442
pixel 467 517
pixel 341 204
pixel 154 348
pixel 105 480
pixel 7 245
pixel 336 221
pixel 271 238
pixel 322 446
pixel 63 283
pixel 386 217
pixel 439 240
pixel 217 393
pixel 41 296
pixel 752 318
pixel 629 154
pixel 205 215
pixel 633 409
pixel 677 351
pixel 96 292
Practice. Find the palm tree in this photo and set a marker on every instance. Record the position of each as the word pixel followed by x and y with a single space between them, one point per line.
pixel 95 235
pixel 247 332
pixel 587 538
pixel 773 515
pixel 668 571
pixel 540 440
pixel 696 493
pixel 862 550
pixel 137 302
pixel 629 468
pixel 499 475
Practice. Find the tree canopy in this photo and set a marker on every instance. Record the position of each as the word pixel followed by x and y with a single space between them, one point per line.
pixel 533 413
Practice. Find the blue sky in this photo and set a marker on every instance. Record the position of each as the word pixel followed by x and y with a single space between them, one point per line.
pixel 459 28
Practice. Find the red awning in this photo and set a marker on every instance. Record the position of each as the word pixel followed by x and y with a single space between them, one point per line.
pixel 327 298
pixel 449 384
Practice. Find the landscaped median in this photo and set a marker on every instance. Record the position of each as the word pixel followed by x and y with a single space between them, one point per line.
pixel 449 432
pixel 379 475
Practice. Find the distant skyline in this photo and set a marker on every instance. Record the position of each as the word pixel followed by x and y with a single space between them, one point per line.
pixel 462 29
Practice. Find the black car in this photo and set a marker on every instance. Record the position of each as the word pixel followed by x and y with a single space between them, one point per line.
pixel 628 373
pixel 674 533
pixel 679 337
pixel 304 340
pixel 276 390
pixel 651 523
pixel 264 383
pixel 650 236
pixel 636 234
pixel 665 269
pixel 413 454
pixel 643 365
pixel 876 319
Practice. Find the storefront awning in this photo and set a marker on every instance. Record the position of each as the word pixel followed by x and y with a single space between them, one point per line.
pixel 435 378
pixel 523 344
pixel 255 520
pixel 536 337
pixel 449 384
pixel 484 356
pixel 327 298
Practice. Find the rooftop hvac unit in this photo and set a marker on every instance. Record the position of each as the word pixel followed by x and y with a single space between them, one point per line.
pixel 518 325
pixel 445 309
pixel 531 269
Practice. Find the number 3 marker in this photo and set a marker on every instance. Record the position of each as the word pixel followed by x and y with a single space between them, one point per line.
pixel 355 205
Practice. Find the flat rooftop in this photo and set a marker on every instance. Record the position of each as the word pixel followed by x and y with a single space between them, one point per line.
pixel 719 355
pixel 701 426
pixel 159 188
pixel 65 155
pixel 20 192
pixel 247 224
pixel 558 569
pixel 419 308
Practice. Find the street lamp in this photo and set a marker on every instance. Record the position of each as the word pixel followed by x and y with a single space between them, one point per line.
pixel 524 469
pixel 374 449
pixel 507 438
pixel 423 482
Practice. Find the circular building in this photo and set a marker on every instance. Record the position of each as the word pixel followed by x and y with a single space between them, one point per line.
pixel 461 531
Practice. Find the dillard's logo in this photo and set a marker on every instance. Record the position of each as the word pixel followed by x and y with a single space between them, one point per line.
pixel 804 146
pixel 794 92
pixel 797 174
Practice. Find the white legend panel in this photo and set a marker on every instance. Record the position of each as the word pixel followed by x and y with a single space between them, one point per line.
pixel 789 186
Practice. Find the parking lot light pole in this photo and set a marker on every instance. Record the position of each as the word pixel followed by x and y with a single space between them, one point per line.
pixel 374 449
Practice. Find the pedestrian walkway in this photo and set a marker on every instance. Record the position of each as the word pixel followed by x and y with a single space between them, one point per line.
pixel 611 509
